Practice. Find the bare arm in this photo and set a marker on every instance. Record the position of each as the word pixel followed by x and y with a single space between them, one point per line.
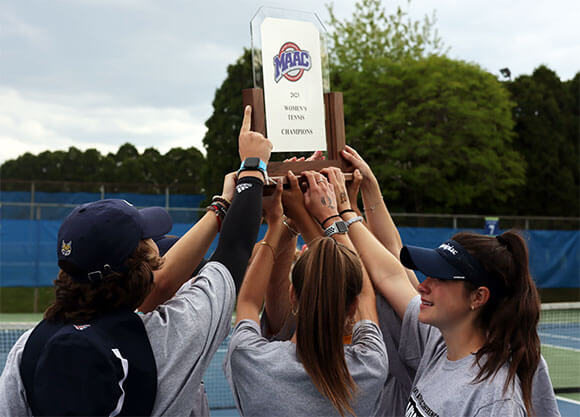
pixel 386 272
pixel 378 217
pixel 180 261
pixel 277 299
pixel 295 209
pixel 320 192
pixel 253 290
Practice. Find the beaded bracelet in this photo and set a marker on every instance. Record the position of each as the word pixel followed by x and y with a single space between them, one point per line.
pixel 216 210
pixel 227 203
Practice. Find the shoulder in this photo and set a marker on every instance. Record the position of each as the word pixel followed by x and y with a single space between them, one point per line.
pixel 211 293
pixel 247 347
pixel 368 345
pixel 248 336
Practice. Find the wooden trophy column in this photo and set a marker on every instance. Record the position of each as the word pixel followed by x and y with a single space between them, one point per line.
pixel 335 135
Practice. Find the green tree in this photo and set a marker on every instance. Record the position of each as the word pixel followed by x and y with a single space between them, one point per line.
pixel 184 169
pixel 372 32
pixel 547 121
pixel 223 127
pixel 436 131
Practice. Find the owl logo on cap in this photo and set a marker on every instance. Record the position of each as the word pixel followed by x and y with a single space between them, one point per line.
pixel 66 248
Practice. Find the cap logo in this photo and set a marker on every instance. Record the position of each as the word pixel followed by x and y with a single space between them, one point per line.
pixel 81 326
pixel 448 248
pixel 66 248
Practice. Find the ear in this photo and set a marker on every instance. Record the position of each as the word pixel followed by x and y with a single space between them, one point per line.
pixel 479 297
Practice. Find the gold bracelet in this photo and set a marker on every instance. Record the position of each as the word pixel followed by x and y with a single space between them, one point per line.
pixel 290 229
pixel 264 243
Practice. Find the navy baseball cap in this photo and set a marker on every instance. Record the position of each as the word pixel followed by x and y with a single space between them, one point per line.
pixel 449 261
pixel 99 237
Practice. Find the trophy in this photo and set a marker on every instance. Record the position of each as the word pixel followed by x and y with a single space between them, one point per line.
pixel 291 102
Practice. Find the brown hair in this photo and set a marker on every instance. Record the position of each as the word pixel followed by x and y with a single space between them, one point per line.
pixel 78 302
pixel 510 318
pixel 327 278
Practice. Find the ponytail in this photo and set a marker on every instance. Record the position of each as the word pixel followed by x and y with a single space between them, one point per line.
pixel 510 318
pixel 326 278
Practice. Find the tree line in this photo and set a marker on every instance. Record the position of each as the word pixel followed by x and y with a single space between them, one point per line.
pixel 442 135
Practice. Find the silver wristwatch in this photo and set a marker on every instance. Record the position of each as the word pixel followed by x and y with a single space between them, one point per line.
pixel 339 226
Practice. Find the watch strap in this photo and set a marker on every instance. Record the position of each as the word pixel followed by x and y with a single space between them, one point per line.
pixel 339 226
pixel 354 220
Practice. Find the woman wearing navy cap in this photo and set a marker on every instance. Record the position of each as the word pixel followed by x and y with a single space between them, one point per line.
pixel 469 329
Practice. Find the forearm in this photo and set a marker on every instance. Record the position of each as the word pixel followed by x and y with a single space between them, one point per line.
pixel 308 227
pixel 277 299
pixel 381 223
pixel 385 271
pixel 379 219
pixel 180 261
pixel 258 275
pixel 240 228
pixel 367 307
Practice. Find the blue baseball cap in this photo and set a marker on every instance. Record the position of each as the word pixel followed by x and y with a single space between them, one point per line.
pixel 97 238
pixel 449 261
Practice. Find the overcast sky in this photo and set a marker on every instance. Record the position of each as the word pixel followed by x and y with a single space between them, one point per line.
pixel 99 73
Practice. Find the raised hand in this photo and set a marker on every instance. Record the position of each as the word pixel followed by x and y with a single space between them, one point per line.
pixel 293 198
pixel 252 144
pixel 272 205
pixel 229 185
pixel 352 156
pixel 320 199
pixel 336 179
pixel 353 188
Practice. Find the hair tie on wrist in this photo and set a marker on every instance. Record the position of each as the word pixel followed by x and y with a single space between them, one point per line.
pixel 327 219
pixel 346 211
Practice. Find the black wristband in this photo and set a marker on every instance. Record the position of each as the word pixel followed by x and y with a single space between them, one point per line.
pixel 346 211
pixel 327 219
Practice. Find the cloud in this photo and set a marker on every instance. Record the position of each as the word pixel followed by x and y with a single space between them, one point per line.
pixel 35 124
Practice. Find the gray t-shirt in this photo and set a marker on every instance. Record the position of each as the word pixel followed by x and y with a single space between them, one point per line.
pixel 397 387
pixel 184 333
pixel 267 379
pixel 442 387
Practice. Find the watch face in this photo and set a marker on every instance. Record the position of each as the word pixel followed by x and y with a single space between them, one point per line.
pixel 251 163
pixel 341 226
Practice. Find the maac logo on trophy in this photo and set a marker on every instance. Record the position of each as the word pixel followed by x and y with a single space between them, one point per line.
pixel 291 62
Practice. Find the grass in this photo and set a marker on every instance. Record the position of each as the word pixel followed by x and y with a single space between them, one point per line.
pixel 24 300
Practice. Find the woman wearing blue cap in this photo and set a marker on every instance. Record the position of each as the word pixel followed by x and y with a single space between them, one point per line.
pixel 468 331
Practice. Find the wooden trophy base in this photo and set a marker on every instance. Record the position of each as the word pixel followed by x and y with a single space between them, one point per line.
pixel 335 137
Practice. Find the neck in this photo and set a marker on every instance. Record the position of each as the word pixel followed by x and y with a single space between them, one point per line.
pixel 462 340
